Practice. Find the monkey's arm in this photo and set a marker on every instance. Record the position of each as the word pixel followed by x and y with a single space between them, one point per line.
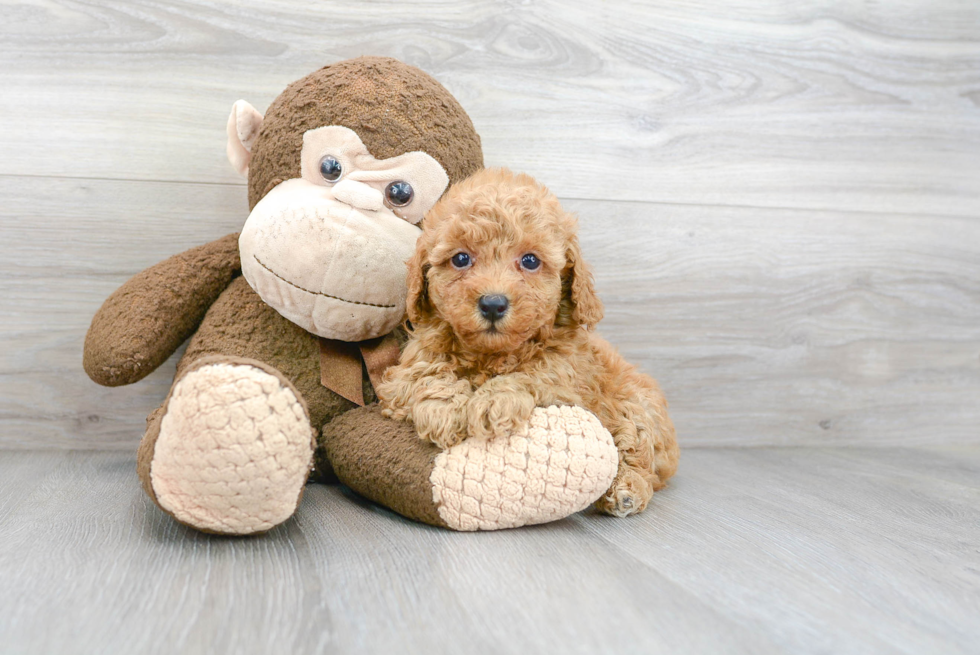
pixel 140 325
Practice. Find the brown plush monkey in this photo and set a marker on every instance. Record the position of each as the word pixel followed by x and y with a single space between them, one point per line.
pixel 291 321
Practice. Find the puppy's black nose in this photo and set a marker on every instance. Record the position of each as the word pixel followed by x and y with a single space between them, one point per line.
pixel 493 307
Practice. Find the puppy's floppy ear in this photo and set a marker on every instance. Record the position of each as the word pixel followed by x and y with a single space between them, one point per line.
pixel 417 302
pixel 579 304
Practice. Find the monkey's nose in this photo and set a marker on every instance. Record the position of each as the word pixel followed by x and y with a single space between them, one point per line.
pixel 493 307
pixel 358 195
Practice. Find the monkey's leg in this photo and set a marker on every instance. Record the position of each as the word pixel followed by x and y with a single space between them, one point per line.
pixel 556 465
pixel 230 449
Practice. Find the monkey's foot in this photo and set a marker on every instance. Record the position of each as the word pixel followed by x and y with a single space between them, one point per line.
pixel 562 461
pixel 554 466
pixel 234 449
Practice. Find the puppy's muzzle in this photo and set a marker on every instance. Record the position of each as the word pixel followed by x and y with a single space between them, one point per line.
pixel 493 307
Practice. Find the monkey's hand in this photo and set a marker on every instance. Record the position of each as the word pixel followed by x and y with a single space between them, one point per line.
pixel 140 325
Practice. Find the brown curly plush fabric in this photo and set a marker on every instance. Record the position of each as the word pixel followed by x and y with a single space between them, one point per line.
pixel 393 107
pixel 382 460
pixel 239 324
pixel 146 319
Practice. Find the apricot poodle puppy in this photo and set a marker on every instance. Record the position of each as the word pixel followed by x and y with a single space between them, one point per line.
pixel 502 309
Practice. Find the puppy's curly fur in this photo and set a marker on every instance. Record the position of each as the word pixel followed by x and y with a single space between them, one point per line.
pixel 479 373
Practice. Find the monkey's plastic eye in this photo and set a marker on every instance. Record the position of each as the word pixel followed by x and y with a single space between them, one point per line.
pixel 399 194
pixel 330 168
pixel 530 262
pixel 461 260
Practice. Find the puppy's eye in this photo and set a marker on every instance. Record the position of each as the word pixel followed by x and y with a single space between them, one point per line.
pixel 399 194
pixel 461 260
pixel 530 262
pixel 330 168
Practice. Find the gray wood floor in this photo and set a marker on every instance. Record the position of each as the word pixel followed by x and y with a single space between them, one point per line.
pixel 793 550
pixel 781 200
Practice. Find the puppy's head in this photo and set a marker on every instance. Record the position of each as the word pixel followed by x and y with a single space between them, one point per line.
pixel 499 261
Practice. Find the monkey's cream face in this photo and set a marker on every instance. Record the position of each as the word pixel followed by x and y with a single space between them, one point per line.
pixel 328 250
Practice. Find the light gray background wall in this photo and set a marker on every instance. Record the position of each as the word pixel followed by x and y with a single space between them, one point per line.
pixel 781 202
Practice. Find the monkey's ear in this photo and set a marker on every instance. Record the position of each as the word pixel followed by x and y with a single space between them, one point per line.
pixel 579 305
pixel 243 126
pixel 417 302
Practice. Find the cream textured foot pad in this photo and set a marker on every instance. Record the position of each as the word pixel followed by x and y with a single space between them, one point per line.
pixel 234 450
pixel 559 464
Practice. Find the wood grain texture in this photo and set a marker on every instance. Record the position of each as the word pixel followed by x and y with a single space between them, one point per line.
pixel 854 324
pixel 807 104
pixel 764 327
pixel 790 327
pixel 67 244
pixel 749 551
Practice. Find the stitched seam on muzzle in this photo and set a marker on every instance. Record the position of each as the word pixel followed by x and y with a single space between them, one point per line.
pixel 320 293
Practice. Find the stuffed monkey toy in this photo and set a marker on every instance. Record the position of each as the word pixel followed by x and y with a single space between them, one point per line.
pixel 292 321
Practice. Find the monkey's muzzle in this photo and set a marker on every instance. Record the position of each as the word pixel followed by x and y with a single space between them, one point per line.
pixel 332 268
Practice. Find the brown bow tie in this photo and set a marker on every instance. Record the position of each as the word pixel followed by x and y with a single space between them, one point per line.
pixel 340 364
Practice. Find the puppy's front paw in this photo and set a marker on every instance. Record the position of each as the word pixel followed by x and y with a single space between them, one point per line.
pixel 443 422
pixel 498 413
